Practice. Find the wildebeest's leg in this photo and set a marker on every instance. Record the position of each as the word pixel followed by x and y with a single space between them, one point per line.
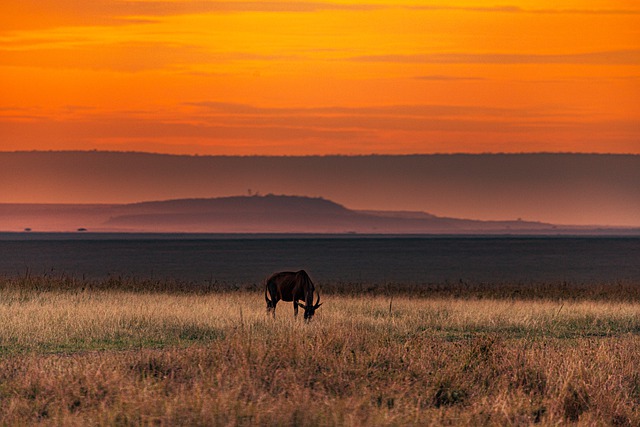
pixel 295 307
pixel 272 300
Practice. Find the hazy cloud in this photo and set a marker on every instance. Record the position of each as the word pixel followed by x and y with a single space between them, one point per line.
pixel 398 129
pixel 219 123
pixel 122 12
pixel 509 9
pixel 587 11
pixel 613 57
pixel 421 110
pixel 444 78
pixel 125 126
pixel 110 12
pixel 163 8
pixel 518 9
pixel 128 56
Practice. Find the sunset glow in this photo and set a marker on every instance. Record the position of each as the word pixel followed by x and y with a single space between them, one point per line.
pixel 320 77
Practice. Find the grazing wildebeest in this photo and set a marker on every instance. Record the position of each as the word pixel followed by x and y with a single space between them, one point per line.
pixel 291 286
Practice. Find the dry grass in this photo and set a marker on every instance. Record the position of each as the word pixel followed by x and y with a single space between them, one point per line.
pixel 111 356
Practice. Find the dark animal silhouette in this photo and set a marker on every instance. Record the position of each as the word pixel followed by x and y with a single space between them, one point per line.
pixel 294 287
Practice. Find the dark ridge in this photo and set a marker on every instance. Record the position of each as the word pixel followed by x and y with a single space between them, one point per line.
pixel 625 291
pixel 590 189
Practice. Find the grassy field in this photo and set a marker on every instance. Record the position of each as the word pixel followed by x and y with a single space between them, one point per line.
pixel 125 353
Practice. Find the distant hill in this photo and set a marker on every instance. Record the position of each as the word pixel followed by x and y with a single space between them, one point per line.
pixel 234 214
pixel 583 189
pixel 267 205
pixel 252 214
pixel 289 214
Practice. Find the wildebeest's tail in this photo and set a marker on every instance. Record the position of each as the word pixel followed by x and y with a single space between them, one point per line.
pixel 266 285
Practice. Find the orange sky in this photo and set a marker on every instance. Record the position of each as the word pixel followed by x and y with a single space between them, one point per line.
pixel 318 77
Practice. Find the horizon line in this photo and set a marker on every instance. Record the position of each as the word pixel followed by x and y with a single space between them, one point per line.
pixel 452 153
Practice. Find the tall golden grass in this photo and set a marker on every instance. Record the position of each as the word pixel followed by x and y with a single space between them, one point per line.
pixel 108 355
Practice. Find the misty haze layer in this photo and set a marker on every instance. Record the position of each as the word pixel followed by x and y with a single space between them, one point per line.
pixel 580 189
pixel 252 214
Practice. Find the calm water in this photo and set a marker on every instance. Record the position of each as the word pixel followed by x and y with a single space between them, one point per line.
pixel 248 259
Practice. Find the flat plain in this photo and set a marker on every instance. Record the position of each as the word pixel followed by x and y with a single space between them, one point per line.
pixel 117 352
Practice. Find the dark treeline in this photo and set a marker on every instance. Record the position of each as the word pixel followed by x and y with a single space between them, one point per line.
pixel 628 291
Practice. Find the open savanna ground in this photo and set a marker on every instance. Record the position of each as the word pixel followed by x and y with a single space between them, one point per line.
pixel 126 353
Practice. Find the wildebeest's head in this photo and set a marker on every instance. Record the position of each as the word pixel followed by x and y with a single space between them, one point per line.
pixel 310 310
